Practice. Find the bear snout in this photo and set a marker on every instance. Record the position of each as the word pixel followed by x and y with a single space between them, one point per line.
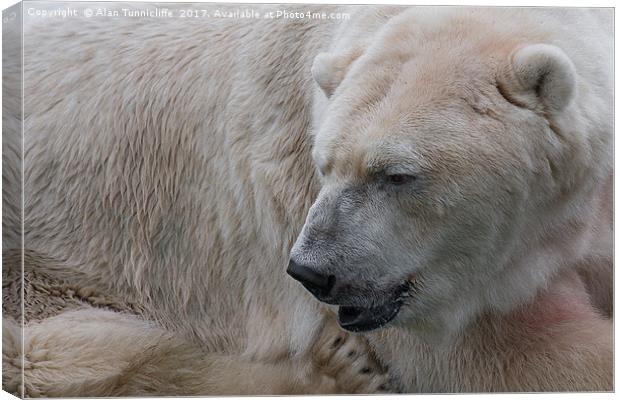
pixel 320 285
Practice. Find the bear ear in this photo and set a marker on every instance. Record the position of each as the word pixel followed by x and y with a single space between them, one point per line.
pixel 540 74
pixel 329 70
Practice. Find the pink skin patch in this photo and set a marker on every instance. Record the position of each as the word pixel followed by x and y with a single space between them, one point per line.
pixel 565 301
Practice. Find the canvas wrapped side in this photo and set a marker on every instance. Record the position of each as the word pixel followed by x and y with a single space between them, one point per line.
pixel 12 190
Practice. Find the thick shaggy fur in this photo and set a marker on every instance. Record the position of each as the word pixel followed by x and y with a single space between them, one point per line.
pixel 95 352
pixel 171 164
pixel 167 175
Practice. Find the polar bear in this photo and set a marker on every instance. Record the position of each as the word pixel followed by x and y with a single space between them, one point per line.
pixel 438 174
pixel 465 160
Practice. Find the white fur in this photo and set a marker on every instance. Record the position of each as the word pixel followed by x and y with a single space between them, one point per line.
pixel 171 164
pixel 543 71
pixel 505 121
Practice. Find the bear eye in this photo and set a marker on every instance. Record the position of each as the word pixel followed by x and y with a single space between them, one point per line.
pixel 399 179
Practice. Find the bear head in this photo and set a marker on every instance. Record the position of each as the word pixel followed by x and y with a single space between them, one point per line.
pixel 444 174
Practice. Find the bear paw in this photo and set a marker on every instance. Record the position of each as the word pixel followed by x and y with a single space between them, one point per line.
pixel 349 360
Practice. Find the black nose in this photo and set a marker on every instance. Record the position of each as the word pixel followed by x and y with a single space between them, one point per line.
pixel 318 284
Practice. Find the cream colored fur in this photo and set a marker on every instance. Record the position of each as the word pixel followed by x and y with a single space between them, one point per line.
pixel 159 168
pixel 92 352
pixel 171 164
pixel 504 119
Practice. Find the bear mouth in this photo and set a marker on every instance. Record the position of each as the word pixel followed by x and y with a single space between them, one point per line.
pixel 360 319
